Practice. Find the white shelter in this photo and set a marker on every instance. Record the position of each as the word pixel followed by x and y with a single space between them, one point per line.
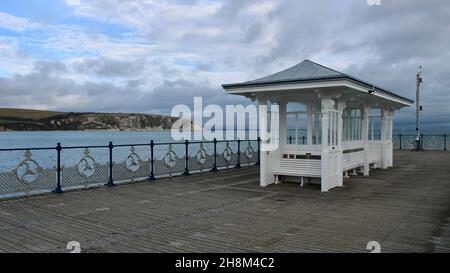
pixel 330 123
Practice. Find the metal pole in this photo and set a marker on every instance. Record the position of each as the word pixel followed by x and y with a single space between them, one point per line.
pixel 110 180
pixel 418 108
pixel 58 188
pixel 238 165
pixel 259 151
pixel 152 173
pixel 445 142
pixel 215 155
pixel 186 164
pixel 421 142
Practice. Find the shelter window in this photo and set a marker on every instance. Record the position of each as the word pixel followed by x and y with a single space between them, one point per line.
pixel 296 123
pixel 352 128
pixel 375 124
pixel 316 123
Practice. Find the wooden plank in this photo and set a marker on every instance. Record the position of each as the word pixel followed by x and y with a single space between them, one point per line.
pixel 405 208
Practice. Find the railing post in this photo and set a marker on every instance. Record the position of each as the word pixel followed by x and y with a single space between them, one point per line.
pixel 186 163
pixel 400 141
pixel 238 165
pixel 445 142
pixel 421 142
pixel 58 188
pixel 215 155
pixel 110 180
pixel 152 173
pixel 259 151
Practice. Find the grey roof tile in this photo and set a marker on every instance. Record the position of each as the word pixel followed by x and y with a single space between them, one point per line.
pixel 307 71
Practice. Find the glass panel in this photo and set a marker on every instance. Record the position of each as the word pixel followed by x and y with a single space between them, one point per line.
pixel 296 129
pixel 290 129
pixel 316 128
pixel 352 127
pixel 375 124
pixel 296 107
pixel 302 129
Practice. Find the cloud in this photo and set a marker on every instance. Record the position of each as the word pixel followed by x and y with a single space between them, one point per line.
pixel 150 55
pixel 106 67
pixel 50 86
pixel 16 23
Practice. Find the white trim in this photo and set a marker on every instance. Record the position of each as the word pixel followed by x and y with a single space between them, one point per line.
pixel 315 85
pixel 282 86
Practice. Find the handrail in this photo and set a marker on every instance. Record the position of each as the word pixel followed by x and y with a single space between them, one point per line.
pixel 28 171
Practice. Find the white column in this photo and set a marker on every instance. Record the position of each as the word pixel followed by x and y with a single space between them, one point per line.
pixel 341 107
pixel 331 156
pixel 264 179
pixel 325 123
pixel 365 136
pixel 390 145
pixel 386 139
pixel 270 155
pixel 324 154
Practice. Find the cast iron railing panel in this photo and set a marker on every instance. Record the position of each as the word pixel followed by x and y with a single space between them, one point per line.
pixel 21 172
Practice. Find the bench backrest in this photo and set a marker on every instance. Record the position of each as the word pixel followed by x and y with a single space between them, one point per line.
pixel 302 166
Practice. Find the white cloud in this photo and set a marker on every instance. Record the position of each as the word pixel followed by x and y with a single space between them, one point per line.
pixel 73 2
pixel 15 23
pixel 165 45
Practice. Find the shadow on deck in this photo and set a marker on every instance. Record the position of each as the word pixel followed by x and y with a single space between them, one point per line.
pixel 405 208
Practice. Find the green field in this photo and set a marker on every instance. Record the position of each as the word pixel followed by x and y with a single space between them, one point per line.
pixel 8 121
pixel 9 114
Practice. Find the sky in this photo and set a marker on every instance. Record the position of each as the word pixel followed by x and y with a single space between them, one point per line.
pixel 147 56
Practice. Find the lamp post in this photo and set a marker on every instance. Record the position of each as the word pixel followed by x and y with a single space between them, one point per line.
pixel 418 146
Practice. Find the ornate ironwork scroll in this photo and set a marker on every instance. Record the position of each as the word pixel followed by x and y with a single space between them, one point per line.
pixel 86 166
pixel 170 158
pixel 227 153
pixel 133 161
pixel 249 151
pixel 28 170
pixel 201 155
pixel 433 142
pixel 408 142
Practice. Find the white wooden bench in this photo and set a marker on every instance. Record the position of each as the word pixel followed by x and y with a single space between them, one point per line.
pixel 298 166
pixel 352 159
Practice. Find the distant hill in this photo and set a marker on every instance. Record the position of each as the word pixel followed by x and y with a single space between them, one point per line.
pixel 27 113
pixel 41 120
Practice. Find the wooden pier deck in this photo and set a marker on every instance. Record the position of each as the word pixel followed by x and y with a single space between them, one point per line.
pixel 405 208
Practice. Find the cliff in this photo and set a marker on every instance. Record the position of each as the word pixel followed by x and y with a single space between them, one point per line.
pixel 37 120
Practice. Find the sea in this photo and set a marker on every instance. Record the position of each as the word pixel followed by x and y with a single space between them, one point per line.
pixel 70 157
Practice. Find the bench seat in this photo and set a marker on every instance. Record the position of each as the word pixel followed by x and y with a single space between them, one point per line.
pixel 310 168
